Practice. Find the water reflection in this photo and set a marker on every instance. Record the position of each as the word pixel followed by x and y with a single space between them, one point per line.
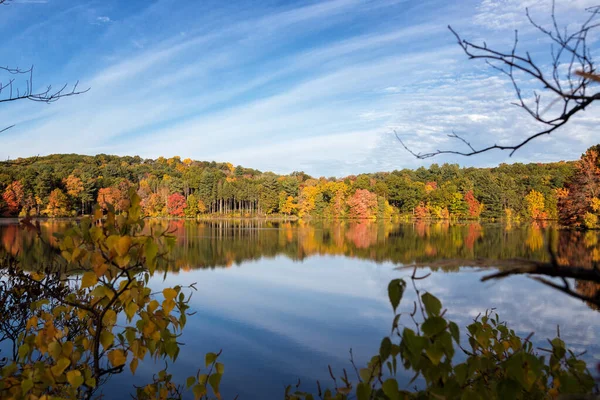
pixel 306 293
pixel 214 244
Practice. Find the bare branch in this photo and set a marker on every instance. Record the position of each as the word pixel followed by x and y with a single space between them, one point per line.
pixel 571 88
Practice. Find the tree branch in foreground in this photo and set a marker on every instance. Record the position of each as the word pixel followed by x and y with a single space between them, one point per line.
pixel 572 71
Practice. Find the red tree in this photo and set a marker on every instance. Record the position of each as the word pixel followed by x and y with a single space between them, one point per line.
pixel 475 207
pixel 176 205
pixel 421 211
pixel 13 197
pixel 363 204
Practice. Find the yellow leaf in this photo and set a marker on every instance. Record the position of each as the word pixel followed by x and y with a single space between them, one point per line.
pixel 55 349
pixel 100 269
pixel 60 367
pixel 75 378
pixel 168 306
pixel 169 293
pixel 152 306
pixel 117 357
pixel 110 318
pixel 36 276
pixel 32 322
pixel 133 365
pixel 131 309
pixel 123 261
pixel 88 279
pixel 122 246
pixel 106 339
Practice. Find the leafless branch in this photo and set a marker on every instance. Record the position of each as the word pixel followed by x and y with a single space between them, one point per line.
pixel 572 71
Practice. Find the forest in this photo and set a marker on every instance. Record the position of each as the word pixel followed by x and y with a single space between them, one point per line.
pixel 66 185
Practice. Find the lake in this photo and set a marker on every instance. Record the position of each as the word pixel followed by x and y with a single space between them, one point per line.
pixel 284 300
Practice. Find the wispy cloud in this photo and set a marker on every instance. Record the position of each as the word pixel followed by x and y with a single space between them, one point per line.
pixel 103 19
pixel 320 87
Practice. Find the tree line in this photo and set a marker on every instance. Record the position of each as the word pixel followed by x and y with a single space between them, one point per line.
pixel 68 184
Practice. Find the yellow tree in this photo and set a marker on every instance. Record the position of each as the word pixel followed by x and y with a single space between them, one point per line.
pixel 58 204
pixel 535 205
pixel 74 187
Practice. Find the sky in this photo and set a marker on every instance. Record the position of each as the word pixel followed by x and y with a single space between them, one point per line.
pixel 322 87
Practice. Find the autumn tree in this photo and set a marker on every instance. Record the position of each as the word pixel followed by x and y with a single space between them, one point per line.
pixel 577 204
pixel 362 204
pixel 58 204
pixel 535 205
pixel 13 198
pixel 84 326
pixel 176 205
pixel 474 207
pixel 287 204
pixel 107 196
pixel 74 186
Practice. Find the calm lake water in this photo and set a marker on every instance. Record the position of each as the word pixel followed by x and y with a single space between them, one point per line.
pixel 285 300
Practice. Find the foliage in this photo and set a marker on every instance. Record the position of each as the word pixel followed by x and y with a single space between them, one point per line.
pixel 474 207
pixel 536 205
pixel 236 191
pixel 578 203
pixel 58 205
pixel 13 197
pixel 363 204
pixel 95 314
pixel 495 364
pixel 176 205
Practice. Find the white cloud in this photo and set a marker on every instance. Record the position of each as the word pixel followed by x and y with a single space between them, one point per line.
pixel 252 92
pixel 103 19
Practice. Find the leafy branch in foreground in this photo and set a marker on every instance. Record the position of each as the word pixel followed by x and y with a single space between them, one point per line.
pixel 569 79
pixel 95 314
pixel 495 363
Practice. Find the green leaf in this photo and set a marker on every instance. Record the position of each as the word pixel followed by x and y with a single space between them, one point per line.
pixel 454 331
pixel 432 305
pixel 150 250
pixel 214 381
pixel 435 354
pixel 199 390
pixel 507 389
pixel 26 385
pixel 433 325
pixel 190 381
pixel 210 358
pixel 390 389
pixel 395 292
pixel 385 349
pixel 220 368
pixel 461 371
pixel 363 391
pixel 23 350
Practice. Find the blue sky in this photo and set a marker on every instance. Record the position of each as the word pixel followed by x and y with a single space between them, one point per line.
pixel 276 85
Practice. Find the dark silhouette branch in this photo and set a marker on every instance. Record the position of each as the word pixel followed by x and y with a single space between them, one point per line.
pixel 572 72
pixel 13 88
